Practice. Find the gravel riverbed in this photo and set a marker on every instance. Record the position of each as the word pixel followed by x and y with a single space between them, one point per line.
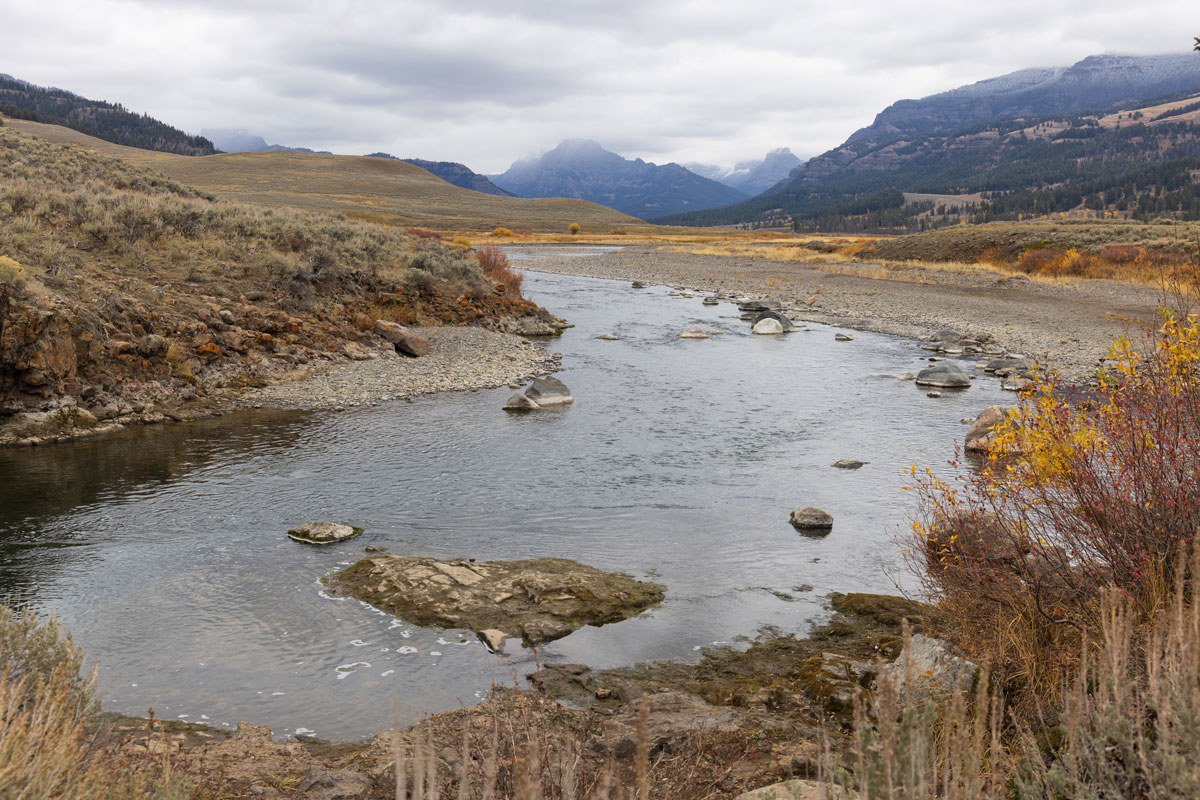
pixel 459 359
pixel 1068 327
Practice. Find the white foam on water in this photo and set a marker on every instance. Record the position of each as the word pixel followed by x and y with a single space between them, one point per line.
pixel 183 716
pixel 434 653
pixel 205 716
pixel 303 731
pixel 345 670
pixel 359 643
pixel 386 672
pixel 405 650
pixel 278 694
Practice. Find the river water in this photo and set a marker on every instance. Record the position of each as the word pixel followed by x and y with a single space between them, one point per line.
pixel 163 548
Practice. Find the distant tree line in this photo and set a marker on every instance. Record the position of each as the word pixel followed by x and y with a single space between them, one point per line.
pixel 109 121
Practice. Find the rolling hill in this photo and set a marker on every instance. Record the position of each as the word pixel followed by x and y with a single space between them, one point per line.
pixel 109 121
pixel 453 172
pixel 582 168
pixel 1109 135
pixel 374 189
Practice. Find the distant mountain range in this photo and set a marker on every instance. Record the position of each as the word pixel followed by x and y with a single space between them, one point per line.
pixel 237 140
pixel 109 121
pixel 453 172
pixel 1099 134
pixel 752 177
pixel 583 169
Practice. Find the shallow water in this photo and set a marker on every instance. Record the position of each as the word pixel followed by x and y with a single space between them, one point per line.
pixel 163 548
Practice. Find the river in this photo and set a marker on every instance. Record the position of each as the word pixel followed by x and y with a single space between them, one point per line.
pixel 163 550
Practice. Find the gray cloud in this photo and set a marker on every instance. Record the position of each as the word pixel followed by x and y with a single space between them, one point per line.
pixel 484 83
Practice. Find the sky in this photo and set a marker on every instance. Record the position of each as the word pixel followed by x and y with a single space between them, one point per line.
pixel 486 83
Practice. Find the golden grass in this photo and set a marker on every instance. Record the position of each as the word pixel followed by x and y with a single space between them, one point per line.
pixel 379 190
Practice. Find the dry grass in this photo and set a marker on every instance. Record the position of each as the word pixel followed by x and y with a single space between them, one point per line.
pixel 381 190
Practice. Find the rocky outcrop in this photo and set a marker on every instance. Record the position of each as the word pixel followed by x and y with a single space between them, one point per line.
pixel 538 599
pixel 981 435
pixel 927 668
pixel 322 532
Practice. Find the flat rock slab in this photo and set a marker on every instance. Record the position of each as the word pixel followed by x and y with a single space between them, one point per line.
pixel 539 599
pixel 322 532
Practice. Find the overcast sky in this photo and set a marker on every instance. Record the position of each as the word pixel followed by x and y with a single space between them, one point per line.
pixel 486 83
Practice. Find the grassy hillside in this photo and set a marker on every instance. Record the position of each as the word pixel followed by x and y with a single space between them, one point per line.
pixel 372 189
pixel 120 286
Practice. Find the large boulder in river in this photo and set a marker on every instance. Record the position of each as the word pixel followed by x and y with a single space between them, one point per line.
pixel 542 393
pixel 539 599
pixel 549 391
pixel 322 532
pixel 981 434
pixel 944 375
pixel 811 520
pixel 767 327
pixel 404 340
pixel 788 325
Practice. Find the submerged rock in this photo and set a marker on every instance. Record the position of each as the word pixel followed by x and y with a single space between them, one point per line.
pixel 758 305
pixel 710 301
pixel 609 337
pixel 810 519
pixel 519 402
pixel 849 463
pixel 637 285
pixel 539 599
pixel 843 337
pixel 322 532
pixel 693 333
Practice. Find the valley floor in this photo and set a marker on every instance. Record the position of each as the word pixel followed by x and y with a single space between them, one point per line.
pixel 1068 326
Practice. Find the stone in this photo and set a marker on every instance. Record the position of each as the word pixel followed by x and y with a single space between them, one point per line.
pixel 519 402
pixel 758 305
pixel 637 285
pixel 715 332
pixel 843 337
pixel 945 375
pixel 933 394
pixel 795 789
pixel 322 532
pixel 404 340
pixel 493 639
pixel 1016 384
pixel 928 668
pixel 980 435
pixel 788 325
pixel 549 391
pixel 325 784
pixel 849 463
pixel 946 336
pixel 152 345
pixel 710 301
pixel 1007 364
pixel 609 337
pixel 809 519
pixel 540 599
pixel 693 333
pixel 767 327
pixel 906 376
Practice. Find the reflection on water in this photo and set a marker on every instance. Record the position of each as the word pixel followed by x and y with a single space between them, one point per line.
pixel 163 548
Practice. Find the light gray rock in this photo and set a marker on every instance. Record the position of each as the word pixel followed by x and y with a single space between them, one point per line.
pixel 795 789
pixel 519 402
pixel 843 337
pixel 405 341
pixel 549 391
pixel 493 639
pixel 710 301
pixel 323 532
pixel 809 519
pixel 693 333
pixel 946 336
pixel 767 327
pixel 906 376
pixel 933 394
pixel 609 337
pixel 928 668
pixel 788 325
pixel 945 375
